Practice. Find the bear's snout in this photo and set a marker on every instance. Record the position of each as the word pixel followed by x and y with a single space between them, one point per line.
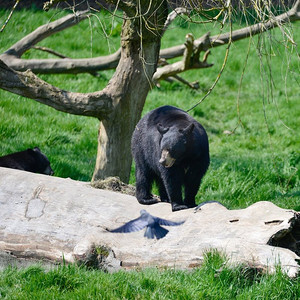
pixel 48 171
pixel 166 159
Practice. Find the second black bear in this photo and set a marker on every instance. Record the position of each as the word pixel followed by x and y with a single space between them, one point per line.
pixel 31 160
pixel 171 148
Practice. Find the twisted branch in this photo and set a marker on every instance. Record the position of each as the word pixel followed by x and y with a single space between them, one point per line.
pixel 189 61
pixel 27 84
pixel 87 65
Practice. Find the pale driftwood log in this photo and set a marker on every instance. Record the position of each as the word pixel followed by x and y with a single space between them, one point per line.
pixel 54 219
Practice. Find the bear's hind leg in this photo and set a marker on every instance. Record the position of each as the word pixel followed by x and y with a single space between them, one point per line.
pixel 144 182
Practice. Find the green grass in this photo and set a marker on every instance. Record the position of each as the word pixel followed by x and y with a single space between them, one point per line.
pixel 214 280
pixel 259 161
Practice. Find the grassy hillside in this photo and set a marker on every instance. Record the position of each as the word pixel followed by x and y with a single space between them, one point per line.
pixel 259 160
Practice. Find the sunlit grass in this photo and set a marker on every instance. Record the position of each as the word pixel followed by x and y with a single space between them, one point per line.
pixel 214 280
pixel 259 160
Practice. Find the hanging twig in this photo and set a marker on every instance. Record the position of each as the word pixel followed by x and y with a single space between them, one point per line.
pixel 45 49
pixel 8 18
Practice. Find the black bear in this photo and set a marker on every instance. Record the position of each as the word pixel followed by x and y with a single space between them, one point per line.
pixel 31 160
pixel 171 148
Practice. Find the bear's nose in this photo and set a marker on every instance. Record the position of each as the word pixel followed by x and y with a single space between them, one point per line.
pixel 162 161
pixel 163 158
pixel 166 159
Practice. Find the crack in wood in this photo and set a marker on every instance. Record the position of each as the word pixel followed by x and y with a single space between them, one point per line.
pixel 274 222
pixel 35 206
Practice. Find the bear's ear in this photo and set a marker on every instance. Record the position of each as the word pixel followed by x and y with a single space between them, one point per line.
pixel 36 149
pixel 188 129
pixel 162 129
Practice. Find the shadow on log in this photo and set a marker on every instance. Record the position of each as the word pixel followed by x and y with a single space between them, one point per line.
pixel 52 219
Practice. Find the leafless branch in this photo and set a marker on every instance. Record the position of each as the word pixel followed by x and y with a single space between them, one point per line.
pixel 218 40
pixel 173 15
pixel 189 61
pixel 27 84
pixel 44 31
pixel 90 65
pixel 48 50
pixel 193 85
pixel 9 16
pixel 12 56
pixel 67 65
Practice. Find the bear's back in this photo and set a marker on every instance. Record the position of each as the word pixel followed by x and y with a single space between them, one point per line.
pixel 167 116
pixel 31 160
pixel 13 160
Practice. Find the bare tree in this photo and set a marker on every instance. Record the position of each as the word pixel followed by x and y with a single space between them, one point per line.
pixel 119 105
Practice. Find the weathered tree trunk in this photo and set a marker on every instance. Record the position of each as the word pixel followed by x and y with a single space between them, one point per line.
pixel 130 86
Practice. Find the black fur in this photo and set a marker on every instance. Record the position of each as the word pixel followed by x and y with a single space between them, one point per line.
pixel 169 128
pixel 31 160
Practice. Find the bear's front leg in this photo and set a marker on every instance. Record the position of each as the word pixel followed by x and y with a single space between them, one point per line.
pixel 144 182
pixel 173 181
pixel 162 191
pixel 192 180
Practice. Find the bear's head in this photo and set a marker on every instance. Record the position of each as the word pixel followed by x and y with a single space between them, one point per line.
pixel 174 143
pixel 42 163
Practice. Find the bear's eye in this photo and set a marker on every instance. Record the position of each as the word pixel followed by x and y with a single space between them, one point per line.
pixel 180 130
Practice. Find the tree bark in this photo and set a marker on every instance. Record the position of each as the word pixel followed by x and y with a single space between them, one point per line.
pixel 119 105
pixel 97 104
pixel 130 86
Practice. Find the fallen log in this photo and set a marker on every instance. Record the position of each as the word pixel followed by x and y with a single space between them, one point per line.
pixel 52 219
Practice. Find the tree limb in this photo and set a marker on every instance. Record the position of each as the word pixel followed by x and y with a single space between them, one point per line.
pixel 45 49
pixel 66 65
pixel 218 40
pixel 193 85
pixel 190 60
pixel 44 31
pixel 51 66
pixel 9 16
pixel 173 15
pixel 87 65
pixel 97 104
